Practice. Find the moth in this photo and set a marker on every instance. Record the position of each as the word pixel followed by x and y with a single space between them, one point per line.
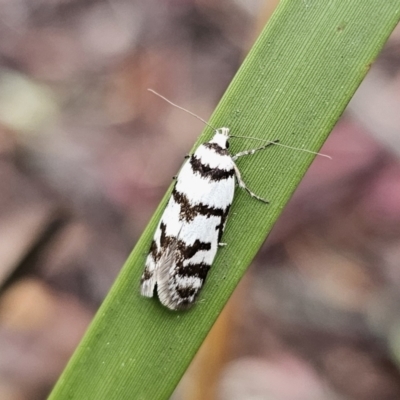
pixel 189 233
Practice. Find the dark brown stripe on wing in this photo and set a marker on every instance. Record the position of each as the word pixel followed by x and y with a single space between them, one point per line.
pixel 188 251
pixel 187 293
pixel 214 174
pixel 154 250
pixel 217 148
pixel 189 211
pixel 146 275
pixel 165 241
pixel 199 270
pixel 222 224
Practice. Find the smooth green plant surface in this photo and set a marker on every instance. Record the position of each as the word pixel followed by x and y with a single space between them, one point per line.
pixel 293 86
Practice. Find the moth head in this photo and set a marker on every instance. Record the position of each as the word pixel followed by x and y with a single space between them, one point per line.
pixel 221 137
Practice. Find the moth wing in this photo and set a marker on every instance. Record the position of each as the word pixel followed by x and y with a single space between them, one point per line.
pixel 159 249
pixel 164 273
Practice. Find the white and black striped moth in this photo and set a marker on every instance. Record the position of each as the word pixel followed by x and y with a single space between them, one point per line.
pixel 190 230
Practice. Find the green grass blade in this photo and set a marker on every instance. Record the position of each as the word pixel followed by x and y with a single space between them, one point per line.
pixel 293 86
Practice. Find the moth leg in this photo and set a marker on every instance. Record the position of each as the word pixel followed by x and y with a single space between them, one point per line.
pixel 243 185
pixel 250 152
pixel 222 244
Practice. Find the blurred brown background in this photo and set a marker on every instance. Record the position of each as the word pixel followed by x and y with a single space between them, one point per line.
pixel 86 154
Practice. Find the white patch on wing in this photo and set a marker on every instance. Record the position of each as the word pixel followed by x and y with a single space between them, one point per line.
pixel 189 282
pixel 171 218
pixel 202 256
pixel 214 160
pixel 202 228
pixel 217 194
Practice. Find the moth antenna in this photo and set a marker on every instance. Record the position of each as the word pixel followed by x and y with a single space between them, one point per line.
pixel 181 108
pixel 284 145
